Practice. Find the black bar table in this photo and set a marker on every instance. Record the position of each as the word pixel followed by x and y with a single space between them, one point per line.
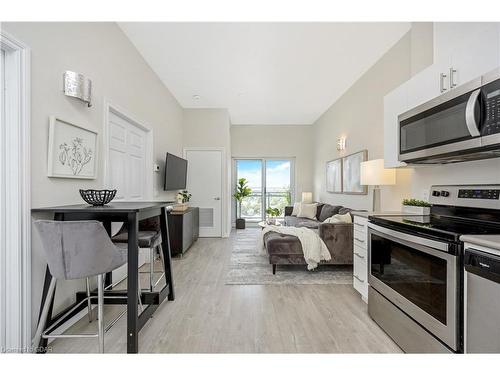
pixel 131 213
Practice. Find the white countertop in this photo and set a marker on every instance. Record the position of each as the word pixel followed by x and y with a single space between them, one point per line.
pixel 379 213
pixel 491 241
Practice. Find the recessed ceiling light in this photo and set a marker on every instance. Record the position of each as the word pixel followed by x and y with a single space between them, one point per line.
pixel 196 97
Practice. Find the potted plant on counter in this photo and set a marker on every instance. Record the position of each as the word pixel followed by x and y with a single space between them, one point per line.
pixel 273 213
pixel 242 191
pixel 416 207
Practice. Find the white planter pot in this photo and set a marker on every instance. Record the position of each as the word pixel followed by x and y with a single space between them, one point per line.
pixel 414 210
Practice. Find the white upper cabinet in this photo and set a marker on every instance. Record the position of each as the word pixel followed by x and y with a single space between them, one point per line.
pixel 477 55
pixel 429 83
pixel 395 103
pixel 462 52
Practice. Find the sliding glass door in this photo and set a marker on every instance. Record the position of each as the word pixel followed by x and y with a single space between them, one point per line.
pixel 271 181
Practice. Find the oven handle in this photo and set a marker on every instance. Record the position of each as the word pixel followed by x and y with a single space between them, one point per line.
pixel 470 109
pixel 441 246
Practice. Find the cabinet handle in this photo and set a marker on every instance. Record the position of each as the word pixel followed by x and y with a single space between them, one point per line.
pixel 442 88
pixel 452 78
pixel 360 280
pixel 359 255
pixel 358 239
pixel 359 225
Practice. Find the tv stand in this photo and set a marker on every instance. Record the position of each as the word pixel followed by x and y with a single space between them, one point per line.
pixel 183 229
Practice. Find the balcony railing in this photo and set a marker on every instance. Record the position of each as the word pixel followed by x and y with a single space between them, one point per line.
pixel 251 207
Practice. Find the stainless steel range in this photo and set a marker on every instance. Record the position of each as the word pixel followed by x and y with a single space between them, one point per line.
pixel 416 267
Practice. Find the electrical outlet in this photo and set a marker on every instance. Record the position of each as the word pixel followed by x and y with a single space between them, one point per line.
pixel 425 194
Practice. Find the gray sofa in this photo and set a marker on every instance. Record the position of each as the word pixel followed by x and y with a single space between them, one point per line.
pixel 286 249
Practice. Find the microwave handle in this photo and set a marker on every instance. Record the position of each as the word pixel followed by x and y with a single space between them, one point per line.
pixel 470 118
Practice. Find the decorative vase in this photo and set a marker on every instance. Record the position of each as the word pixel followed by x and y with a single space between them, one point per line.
pixel 240 223
pixel 416 210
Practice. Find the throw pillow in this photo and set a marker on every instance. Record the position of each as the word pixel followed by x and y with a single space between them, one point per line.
pixel 307 210
pixel 338 218
pixel 296 208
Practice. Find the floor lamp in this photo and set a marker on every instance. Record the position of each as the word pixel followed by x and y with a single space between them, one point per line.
pixel 374 174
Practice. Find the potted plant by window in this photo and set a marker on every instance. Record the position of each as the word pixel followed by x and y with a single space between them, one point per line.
pixel 273 213
pixel 242 191
pixel 416 207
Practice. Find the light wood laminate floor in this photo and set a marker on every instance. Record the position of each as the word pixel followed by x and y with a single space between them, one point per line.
pixel 208 316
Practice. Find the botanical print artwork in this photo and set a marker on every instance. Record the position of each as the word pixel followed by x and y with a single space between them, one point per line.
pixel 72 150
pixel 75 156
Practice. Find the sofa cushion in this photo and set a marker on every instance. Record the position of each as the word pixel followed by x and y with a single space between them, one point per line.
pixel 308 211
pixel 328 211
pixel 345 210
pixel 296 208
pixel 277 243
pixel 292 221
pixel 318 210
pixel 307 223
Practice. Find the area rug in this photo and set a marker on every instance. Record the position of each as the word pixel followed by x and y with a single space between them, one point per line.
pixel 249 265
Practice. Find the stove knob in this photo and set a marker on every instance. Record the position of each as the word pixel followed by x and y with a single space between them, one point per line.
pixel 445 193
pixel 436 193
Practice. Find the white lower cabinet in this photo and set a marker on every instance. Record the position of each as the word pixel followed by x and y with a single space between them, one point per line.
pixel 360 256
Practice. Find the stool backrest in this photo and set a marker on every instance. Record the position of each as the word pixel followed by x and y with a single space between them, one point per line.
pixel 76 249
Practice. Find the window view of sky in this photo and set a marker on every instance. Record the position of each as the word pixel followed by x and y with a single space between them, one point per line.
pixel 277 174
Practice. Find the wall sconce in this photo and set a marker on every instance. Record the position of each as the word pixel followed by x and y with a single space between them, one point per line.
pixel 77 86
pixel 341 144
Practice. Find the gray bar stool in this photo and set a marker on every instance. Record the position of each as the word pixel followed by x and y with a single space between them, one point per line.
pixel 149 237
pixel 78 250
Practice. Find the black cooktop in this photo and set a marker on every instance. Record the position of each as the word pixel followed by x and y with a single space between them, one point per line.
pixel 435 226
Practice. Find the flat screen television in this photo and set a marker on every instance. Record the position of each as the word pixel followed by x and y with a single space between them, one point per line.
pixel 175 172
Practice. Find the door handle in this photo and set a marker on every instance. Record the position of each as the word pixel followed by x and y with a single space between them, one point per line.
pixel 452 78
pixel 442 87
pixel 217 198
pixel 470 117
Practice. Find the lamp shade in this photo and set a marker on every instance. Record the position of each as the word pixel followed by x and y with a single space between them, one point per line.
pixel 374 173
pixel 307 197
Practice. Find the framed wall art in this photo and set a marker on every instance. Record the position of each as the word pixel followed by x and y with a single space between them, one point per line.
pixel 334 176
pixel 351 173
pixel 72 150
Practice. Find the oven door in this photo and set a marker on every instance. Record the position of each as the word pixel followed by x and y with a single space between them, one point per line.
pixel 417 275
pixel 446 125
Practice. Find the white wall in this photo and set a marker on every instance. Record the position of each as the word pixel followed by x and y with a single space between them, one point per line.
pixel 358 115
pixel 210 128
pixel 288 141
pixel 102 52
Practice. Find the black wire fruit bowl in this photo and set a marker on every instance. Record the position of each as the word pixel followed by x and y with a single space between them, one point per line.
pixel 97 197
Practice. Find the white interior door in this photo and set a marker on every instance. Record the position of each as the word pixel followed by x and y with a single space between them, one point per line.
pixel 204 182
pixel 127 159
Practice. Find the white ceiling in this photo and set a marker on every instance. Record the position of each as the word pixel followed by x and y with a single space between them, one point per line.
pixel 263 73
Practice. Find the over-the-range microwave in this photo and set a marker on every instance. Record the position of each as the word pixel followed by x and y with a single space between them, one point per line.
pixel 460 125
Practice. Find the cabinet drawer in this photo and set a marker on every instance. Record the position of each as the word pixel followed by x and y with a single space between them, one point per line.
pixel 360 253
pixel 360 224
pixel 360 239
pixel 359 276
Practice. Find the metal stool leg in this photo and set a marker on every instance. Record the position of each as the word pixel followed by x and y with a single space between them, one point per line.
pixel 100 311
pixel 89 302
pixel 45 312
pixel 151 268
